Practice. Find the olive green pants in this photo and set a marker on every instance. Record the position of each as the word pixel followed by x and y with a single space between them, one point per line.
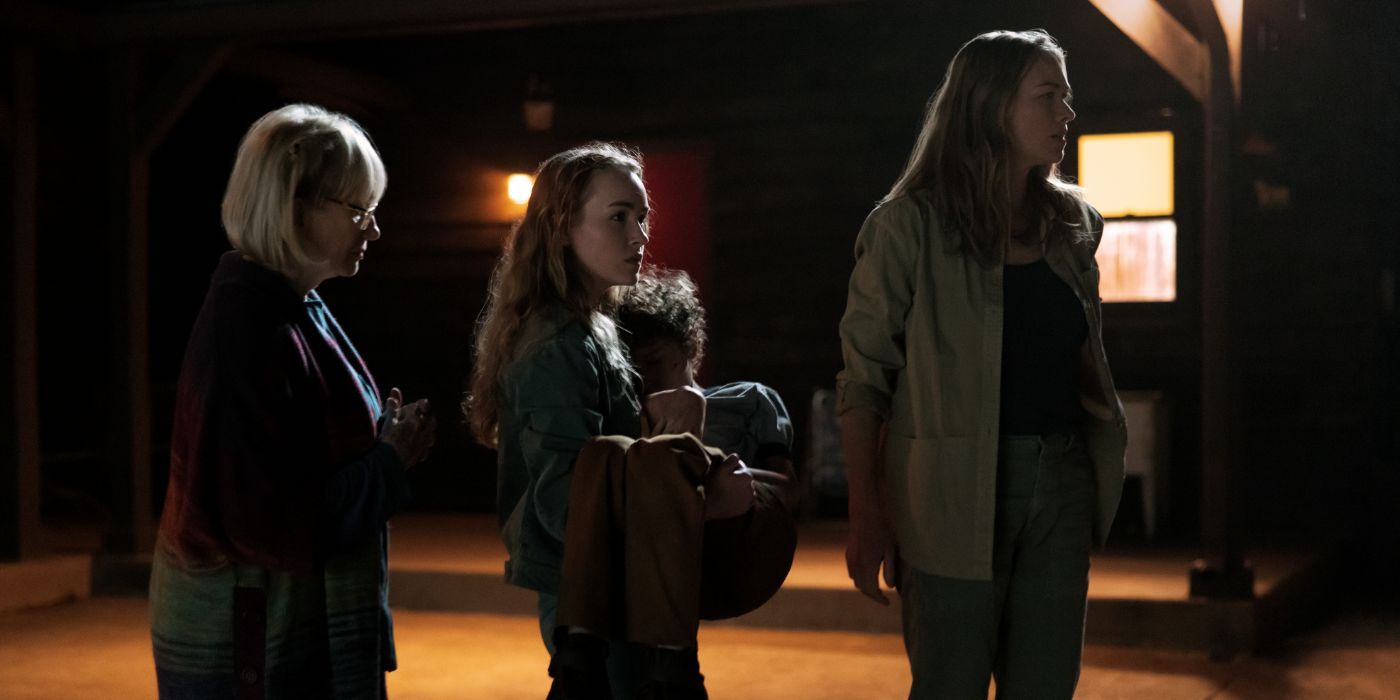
pixel 1025 627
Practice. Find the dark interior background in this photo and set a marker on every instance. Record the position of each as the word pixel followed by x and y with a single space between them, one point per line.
pixel 792 122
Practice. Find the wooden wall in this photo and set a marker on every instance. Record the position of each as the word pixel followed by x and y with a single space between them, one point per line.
pixel 807 114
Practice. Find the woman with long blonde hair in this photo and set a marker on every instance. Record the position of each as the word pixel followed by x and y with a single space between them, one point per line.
pixel 982 433
pixel 550 377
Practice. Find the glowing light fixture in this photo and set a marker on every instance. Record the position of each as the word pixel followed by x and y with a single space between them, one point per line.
pixel 1128 174
pixel 518 187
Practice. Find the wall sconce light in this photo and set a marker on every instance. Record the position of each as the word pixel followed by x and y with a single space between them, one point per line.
pixel 518 187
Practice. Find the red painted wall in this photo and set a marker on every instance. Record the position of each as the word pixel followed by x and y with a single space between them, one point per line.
pixel 677 183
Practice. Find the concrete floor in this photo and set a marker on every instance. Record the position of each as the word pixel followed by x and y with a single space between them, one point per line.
pixel 472 544
pixel 99 648
pixel 1137 596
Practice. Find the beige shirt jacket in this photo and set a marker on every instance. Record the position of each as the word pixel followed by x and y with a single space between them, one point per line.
pixel 921 340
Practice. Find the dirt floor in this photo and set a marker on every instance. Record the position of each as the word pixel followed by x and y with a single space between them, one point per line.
pixel 100 649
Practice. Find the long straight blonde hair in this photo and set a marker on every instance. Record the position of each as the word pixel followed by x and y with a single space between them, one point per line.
pixel 537 272
pixel 962 157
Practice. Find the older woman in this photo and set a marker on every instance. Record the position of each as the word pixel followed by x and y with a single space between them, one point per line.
pixel 270 569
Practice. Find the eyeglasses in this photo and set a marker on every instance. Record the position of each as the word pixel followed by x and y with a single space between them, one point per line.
pixel 363 217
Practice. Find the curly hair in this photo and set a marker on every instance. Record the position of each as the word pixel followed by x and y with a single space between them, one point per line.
pixel 537 271
pixel 664 305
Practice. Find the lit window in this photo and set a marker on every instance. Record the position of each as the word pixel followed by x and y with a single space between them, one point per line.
pixel 1137 260
pixel 1127 174
pixel 1129 178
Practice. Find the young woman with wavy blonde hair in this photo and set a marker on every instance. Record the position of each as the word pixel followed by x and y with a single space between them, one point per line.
pixel 550 377
pixel 981 430
pixel 538 275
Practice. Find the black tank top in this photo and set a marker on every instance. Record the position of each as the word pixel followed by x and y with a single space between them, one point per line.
pixel 1044 328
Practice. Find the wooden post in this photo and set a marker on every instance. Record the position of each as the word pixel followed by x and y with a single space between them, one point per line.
pixel 1222 573
pixel 21 530
pixel 1208 66
pixel 129 419
pixel 138 125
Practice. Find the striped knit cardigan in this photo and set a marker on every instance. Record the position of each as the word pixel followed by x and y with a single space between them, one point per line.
pixel 270 571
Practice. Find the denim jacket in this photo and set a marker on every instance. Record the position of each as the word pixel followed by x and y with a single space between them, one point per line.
pixel 558 392
pixel 921 342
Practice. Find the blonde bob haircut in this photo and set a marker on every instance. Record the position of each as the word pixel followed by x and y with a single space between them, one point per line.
pixel 962 157
pixel 538 272
pixel 303 153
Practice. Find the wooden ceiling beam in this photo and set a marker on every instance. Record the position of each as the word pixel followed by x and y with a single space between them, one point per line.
pixel 339 19
pixel 1174 47
pixel 1161 37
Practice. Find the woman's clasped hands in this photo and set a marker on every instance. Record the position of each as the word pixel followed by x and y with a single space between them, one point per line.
pixel 410 429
